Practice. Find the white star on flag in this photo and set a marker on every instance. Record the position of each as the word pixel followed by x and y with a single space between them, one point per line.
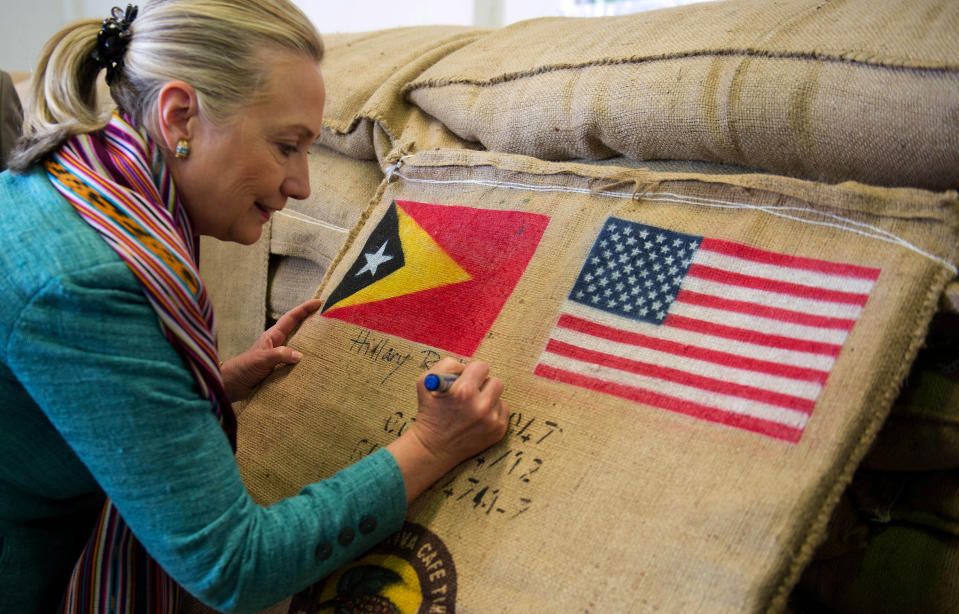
pixel 374 260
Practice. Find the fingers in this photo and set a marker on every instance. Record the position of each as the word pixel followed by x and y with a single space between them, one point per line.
pixel 488 389
pixel 309 307
pixel 291 319
pixel 473 385
pixel 294 317
pixel 475 374
pixel 288 355
pixel 491 389
pixel 264 361
pixel 446 365
pixel 473 377
pixel 467 417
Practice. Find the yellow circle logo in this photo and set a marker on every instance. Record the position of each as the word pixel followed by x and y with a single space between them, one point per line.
pixel 411 572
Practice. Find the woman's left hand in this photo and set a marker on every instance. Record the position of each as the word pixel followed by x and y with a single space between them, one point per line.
pixel 243 373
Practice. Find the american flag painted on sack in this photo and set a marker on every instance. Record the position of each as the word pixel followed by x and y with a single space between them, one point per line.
pixel 705 327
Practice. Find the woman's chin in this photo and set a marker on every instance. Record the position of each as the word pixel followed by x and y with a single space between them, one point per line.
pixel 250 237
pixel 247 235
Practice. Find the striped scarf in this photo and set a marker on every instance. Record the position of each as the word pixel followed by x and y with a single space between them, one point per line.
pixel 118 182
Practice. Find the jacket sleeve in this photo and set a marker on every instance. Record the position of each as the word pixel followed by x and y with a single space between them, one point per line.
pixel 89 349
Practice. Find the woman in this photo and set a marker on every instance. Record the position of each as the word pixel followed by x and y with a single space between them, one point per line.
pixel 117 419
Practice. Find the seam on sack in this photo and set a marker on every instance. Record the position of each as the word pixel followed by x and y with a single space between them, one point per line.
pixel 306 219
pixel 360 223
pixel 840 223
pixel 340 128
pixel 344 128
pixel 747 52
pixel 817 528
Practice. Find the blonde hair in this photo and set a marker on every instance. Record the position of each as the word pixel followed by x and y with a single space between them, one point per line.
pixel 217 46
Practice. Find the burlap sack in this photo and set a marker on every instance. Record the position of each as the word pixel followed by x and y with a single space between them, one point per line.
pixel 236 280
pixel 632 478
pixel 365 114
pixel 307 234
pixel 252 285
pixel 852 89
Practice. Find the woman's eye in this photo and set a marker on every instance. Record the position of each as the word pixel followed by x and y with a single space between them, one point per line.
pixel 287 150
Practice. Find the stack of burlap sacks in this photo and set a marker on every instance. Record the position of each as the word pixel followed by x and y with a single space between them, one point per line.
pixel 849 106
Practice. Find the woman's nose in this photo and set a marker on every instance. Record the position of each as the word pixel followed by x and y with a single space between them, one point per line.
pixel 297 183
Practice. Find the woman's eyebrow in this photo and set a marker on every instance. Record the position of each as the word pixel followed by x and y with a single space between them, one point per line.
pixel 300 129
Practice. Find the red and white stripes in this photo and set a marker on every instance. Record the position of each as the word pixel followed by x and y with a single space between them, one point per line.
pixel 749 340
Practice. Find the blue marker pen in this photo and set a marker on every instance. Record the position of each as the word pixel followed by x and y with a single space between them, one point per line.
pixel 439 382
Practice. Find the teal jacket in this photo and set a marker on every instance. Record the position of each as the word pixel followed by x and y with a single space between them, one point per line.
pixel 94 401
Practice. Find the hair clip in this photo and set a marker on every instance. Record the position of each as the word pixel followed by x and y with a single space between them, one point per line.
pixel 112 40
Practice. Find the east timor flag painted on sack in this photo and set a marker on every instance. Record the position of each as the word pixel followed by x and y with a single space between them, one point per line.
pixel 437 274
pixel 706 327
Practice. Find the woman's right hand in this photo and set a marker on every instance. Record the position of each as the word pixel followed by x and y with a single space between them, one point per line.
pixel 451 426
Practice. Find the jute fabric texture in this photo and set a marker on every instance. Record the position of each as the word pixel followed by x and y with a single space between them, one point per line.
pixel 617 488
pixel 236 279
pixel 831 91
pixel 365 114
pixel 251 285
pixel 308 234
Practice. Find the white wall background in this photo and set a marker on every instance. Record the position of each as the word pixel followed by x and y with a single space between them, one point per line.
pixel 26 24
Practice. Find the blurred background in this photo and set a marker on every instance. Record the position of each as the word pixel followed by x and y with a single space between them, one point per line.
pixel 26 25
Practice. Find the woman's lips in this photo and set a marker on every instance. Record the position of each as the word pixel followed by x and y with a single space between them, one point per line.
pixel 265 212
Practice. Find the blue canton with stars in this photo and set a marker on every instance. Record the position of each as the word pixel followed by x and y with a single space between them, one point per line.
pixel 634 270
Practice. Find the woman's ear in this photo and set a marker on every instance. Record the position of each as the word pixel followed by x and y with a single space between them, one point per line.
pixel 177 110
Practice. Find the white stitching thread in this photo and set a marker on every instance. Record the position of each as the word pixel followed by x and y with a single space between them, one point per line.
pixel 393 168
pixel 296 215
pixel 845 225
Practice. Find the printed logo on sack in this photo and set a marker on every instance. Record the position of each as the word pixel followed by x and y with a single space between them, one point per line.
pixel 411 572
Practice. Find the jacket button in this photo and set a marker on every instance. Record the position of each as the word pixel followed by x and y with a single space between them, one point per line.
pixel 367 525
pixel 324 551
pixel 346 537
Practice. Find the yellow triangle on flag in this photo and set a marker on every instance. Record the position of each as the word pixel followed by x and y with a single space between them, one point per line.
pixel 427 266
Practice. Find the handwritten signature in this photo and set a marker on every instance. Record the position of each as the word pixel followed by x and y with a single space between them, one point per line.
pixel 380 350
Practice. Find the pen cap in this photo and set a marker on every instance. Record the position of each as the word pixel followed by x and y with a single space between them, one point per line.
pixel 439 382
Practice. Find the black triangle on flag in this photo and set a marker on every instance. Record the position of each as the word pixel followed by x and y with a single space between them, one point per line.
pixel 382 254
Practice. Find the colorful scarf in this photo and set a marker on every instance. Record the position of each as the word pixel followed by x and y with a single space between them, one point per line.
pixel 118 182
